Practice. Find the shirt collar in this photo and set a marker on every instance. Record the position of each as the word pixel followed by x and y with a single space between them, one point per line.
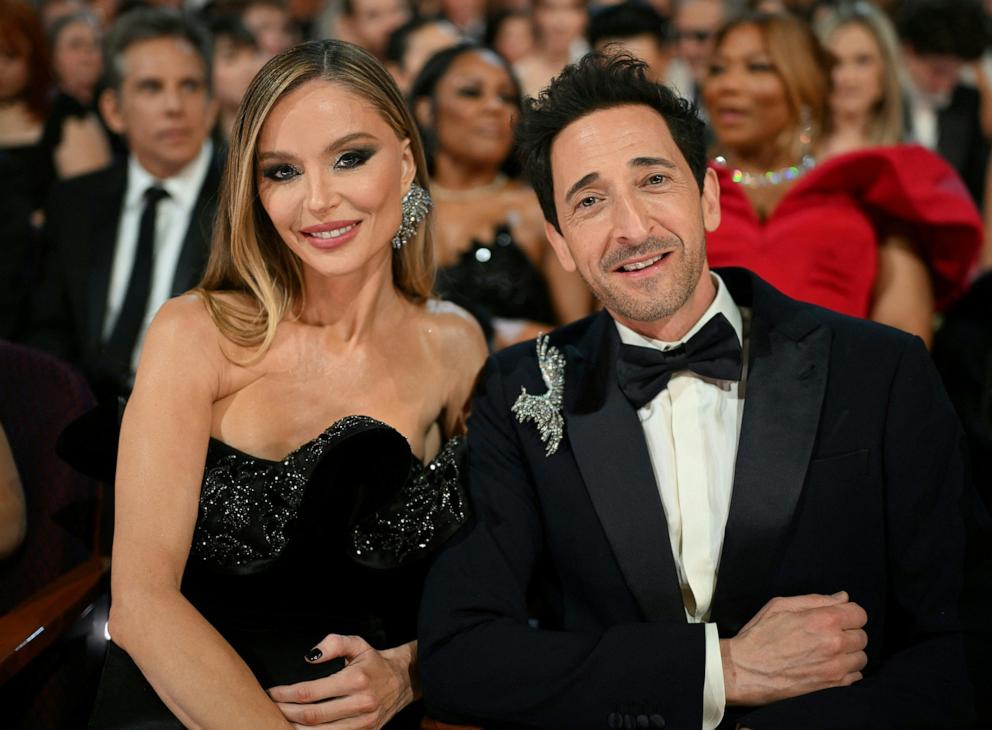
pixel 183 187
pixel 723 303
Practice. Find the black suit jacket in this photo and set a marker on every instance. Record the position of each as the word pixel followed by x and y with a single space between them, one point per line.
pixel 848 477
pixel 69 307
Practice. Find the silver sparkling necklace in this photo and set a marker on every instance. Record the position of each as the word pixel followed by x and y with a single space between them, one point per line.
pixel 768 178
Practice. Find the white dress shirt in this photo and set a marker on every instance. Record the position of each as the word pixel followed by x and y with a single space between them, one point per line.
pixel 172 219
pixel 692 428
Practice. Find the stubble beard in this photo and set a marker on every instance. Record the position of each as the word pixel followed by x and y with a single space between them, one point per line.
pixel 652 299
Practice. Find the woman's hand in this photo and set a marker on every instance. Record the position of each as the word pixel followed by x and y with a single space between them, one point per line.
pixel 372 687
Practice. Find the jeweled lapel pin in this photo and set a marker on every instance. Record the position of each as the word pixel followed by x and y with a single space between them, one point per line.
pixel 545 409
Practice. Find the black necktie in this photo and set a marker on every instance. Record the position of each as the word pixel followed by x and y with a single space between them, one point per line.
pixel 120 346
pixel 714 352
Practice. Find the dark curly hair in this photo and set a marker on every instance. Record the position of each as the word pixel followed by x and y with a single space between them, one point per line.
pixel 596 82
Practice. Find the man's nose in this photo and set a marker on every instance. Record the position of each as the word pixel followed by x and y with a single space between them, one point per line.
pixel 173 99
pixel 630 221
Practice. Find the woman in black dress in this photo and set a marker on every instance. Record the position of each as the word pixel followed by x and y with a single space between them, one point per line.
pixel 494 256
pixel 288 458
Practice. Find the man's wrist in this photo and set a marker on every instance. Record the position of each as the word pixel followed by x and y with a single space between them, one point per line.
pixel 404 659
pixel 729 671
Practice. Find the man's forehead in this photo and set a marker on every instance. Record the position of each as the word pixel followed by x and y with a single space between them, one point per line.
pixel 618 134
pixel 145 54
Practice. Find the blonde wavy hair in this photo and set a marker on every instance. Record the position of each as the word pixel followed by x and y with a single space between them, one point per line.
pixel 247 256
pixel 887 121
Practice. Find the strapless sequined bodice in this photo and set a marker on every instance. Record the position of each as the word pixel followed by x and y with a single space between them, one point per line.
pixel 397 507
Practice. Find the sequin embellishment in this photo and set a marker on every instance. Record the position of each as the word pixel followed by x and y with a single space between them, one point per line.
pixel 545 409
pixel 427 510
pixel 247 503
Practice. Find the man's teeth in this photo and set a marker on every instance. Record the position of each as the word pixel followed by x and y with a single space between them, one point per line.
pixel 332 234
pixel 641 264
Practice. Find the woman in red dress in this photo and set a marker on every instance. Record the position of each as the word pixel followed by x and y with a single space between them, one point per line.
pixel 887 233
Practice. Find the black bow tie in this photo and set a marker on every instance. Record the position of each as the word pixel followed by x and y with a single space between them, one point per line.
pixel 714 352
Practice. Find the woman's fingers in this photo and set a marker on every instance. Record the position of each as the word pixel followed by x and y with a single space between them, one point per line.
pixel 337 645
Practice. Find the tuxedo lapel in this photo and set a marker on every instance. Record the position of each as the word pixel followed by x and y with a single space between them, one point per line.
pixel 609 447
pixel 196 245
pixel 106 211
pixel 786 381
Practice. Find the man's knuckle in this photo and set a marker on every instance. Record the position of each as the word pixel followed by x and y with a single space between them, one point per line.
pixel 361 680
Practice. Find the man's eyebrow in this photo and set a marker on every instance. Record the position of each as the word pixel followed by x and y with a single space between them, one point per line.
pixel 336 144
pixel 582 182
pixel 653 162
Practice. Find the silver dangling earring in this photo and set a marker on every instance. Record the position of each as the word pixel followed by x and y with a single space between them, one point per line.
pixel 416 205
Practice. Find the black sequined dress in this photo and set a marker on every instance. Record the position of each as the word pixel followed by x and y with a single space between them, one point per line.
pixel 330 539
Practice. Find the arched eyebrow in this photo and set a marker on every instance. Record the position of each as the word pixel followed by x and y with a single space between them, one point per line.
pixel 333 146
pixel 636 162
pixel 581 183
pixel 653 162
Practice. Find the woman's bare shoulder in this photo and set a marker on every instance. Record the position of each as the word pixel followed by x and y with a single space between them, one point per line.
pixel 460 337
pixel 184 342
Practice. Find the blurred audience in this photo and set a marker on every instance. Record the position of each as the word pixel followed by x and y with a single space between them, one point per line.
pixel 369 23
pixel 866 96
pixel 636 29
pixel 413 43
pixel 124 239
pixel 511 34
pixel 237 57
pixel 271 25
pixel 26 164
pixel 468 16
pixel 52 10
pixel 559 33
pixel 492 252
pixel 13 511
pixel 73 129
pixel 696 23
pixel 938 38
pixel 887 233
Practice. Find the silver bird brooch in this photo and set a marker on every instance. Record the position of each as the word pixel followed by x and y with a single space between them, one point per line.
pixel 545 410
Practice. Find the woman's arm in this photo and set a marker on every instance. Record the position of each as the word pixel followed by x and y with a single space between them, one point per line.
pixel 903 295
pixel 13 515
pixel 162 451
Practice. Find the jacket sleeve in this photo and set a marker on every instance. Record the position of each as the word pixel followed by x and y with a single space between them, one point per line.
pixel 481 660
pixel 934 602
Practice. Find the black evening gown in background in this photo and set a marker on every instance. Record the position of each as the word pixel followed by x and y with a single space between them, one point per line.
pixel 497 280
pixel 330 539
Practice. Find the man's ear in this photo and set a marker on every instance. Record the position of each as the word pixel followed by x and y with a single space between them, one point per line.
pixel 711 201
pixel 110 109
pixel 560 247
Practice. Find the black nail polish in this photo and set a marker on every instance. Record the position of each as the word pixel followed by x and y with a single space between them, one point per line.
pixel 313 655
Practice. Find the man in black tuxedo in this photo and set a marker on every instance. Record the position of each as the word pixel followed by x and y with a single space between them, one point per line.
pixel 122 240
pixel 709 505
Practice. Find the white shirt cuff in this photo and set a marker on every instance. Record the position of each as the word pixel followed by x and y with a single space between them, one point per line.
pixel 714 691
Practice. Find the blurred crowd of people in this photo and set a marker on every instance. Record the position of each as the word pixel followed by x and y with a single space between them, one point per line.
pixel 851 140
